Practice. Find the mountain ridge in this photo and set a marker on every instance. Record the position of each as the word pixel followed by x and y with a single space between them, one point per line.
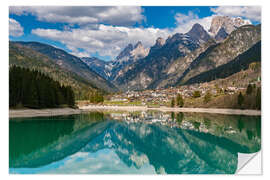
pixel 70 63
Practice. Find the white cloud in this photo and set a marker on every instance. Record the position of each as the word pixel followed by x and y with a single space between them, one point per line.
pixel 185 22
pixel 15 28
pixel 80 54
pixel 106 40
pixel 115 15
pixel 252 13
pixel 183 18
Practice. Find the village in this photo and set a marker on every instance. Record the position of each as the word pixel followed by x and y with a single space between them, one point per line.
pixel 164 96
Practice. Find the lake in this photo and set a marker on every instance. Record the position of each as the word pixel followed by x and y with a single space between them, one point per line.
pixel 140 142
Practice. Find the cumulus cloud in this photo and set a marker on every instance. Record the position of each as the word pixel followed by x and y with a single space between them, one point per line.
pixel 185 18
pixel 105 39
pixel 113 15
pixel 15 28
pixel 252 13
pixel 186 21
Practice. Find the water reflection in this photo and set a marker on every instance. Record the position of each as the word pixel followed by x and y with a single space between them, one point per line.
pixel 138 142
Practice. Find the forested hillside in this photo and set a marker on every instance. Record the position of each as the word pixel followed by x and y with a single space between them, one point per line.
pixel 30 59
pixel 33 89
pixel 241 62
pixel 69 63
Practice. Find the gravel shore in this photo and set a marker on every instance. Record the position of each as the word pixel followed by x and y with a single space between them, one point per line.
pixel 42 112
pixel 69 111
pixel 168 109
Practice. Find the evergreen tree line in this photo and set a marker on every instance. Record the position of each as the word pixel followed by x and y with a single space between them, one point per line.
pixel 33 89
pixel 96 97
pixel 179 101
pixel 251 99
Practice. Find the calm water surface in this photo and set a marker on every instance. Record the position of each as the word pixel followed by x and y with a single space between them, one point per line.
pixel 131 143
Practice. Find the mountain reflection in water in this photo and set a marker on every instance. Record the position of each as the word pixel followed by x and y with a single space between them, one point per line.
pixel 138 142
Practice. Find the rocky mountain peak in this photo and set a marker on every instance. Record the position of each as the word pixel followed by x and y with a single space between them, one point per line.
pixel 139 44
pixel 139 51
pixel 160 42
pixel 125 52
pixel 132 52
pixel 198 33
pixel 222 34
pixel 196 28
pixel 175 37
pixel 228 23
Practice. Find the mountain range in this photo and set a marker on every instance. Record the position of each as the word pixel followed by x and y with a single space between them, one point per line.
pixel 109 70
pixel 182 58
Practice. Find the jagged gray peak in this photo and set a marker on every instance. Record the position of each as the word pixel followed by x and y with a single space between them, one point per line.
pixel 132 52
pixel 228 23
pixel 125 52
pixel 198 33
pixel 160 41
pixel 221 35
pixel 138 45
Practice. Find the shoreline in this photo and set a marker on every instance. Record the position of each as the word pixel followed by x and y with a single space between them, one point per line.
pixel 89 108
pixel 249 112
pixel 42 112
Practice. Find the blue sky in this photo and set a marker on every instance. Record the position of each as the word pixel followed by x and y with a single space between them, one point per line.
pixel 104 31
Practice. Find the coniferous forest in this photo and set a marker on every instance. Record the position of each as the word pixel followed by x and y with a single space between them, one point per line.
pixel 33 89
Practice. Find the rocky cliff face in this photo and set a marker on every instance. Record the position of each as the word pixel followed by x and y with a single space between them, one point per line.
pixel 228 24
pixel 159 43
pixel 132 53
pixel 99 66
pixel 143 74
pixel 125 53
pixel 129 55
pixel 175 71
pixel 221 35
pixel 198 33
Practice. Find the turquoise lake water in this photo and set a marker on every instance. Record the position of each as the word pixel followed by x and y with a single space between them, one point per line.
pixel 131 143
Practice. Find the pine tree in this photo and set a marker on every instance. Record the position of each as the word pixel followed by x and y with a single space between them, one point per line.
pixel 258 98
pixel 240 99
pixel 172 102
pixel 207 97
pixel 196 94
pixel 179 117
pixel 179 100
pixel 249 89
